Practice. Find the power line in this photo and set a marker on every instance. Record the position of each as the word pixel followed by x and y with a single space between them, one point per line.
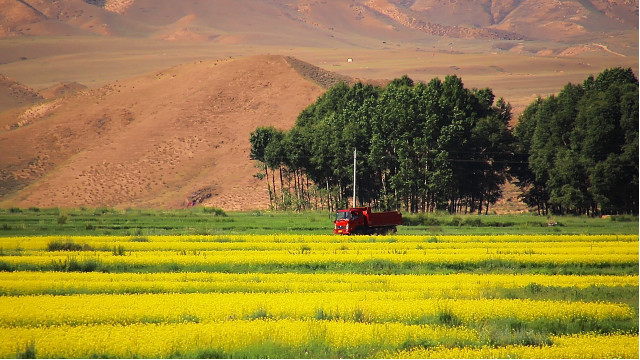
pixel 387 157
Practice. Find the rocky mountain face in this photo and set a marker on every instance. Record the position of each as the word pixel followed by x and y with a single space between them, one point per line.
pixel 206 20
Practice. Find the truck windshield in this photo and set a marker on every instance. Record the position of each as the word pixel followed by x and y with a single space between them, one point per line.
pixel 343 215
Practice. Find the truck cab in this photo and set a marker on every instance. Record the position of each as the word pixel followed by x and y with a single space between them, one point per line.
pixel 348 220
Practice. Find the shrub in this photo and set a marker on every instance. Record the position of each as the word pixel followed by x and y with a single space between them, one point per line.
pixel 259 313
pixel 62 219
pixel 28 352
pixel 72 264
pixel 187 317
pixel 446 317
pixel 455 221
pixel 430 221
pixel 503 332
pixel 534 288
pixel 305 249
pixel 420 219
pixel 118 250
pixel 413 343
pixel 410 221
pixel 472 221
pixel 623 218
pixel 504 224
pixel 103 210
pixel 5 266
pixel 215 211
pixel 15 210
pixel 359 316
pixel 139 239
pixel 322 315
pixel 68 245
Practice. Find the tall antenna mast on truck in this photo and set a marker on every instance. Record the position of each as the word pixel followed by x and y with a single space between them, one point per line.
pixel 354 178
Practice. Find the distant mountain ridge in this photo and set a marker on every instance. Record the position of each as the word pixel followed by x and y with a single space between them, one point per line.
pixel 397 19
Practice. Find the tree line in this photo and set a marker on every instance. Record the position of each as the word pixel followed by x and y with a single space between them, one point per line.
pixel 433 146
pixel 582 147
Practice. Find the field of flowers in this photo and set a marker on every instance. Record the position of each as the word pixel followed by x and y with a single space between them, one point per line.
pixel 316 296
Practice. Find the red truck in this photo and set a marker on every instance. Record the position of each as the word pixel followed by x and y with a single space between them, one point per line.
pixel 362 221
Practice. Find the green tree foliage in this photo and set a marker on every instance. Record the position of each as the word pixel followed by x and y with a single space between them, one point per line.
pixel 582 147
pixel 420 147
pixel 260 139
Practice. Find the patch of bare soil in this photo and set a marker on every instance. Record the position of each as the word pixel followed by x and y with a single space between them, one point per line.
pixel 510 203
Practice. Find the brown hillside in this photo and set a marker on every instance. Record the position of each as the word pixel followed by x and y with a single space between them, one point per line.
pixel 14 94
pixel 55 18
pixel 14 14
pixel 155 140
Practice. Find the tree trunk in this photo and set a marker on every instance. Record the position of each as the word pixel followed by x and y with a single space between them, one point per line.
pixel 328 197
pixel 309 195
pixel 296 191
pixel 266 172
pixel 275 194
pixel 281 184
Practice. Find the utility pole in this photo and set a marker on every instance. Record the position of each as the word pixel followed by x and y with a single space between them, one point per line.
pixel 354 178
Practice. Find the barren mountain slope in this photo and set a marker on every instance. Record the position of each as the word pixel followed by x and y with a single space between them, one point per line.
pixel 262 22
pixel 322 22
pixel 156 140
pixel 19 18
pixel 494 12
pixel 67 17
pixel 565 21
pixel 497 19
pixel 408 19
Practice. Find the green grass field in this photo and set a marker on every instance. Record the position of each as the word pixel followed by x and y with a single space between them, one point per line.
pixel 212 221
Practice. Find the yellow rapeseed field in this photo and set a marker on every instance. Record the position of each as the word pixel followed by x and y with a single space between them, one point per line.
pixel 589 346
pixel 523 296
pixel 450 286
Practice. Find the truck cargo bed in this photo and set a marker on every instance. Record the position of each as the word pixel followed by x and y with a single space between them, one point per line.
pixel 388 218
